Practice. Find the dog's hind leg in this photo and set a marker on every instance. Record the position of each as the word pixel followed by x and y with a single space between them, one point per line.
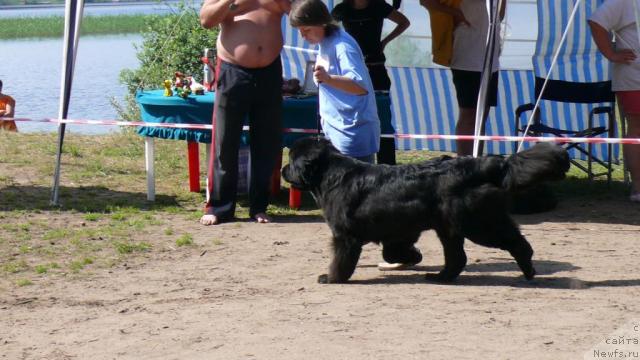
pixel 346 253
pixel 523 253
pixel 521 250
pixel 455 258
pixel 505 235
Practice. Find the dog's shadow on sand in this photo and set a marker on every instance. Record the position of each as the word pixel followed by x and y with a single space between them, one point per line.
pixel 474 275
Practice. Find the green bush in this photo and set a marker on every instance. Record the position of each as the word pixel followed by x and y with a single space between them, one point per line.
pixel 169 43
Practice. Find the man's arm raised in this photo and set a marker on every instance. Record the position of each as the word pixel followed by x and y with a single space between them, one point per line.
pixel 213 12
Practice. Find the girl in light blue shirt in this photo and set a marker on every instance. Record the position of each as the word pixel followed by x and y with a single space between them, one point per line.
pixel 346 97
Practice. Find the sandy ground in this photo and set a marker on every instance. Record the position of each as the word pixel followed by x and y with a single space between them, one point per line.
pixel 249 291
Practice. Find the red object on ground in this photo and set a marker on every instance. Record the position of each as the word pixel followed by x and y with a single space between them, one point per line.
pixel 275 176
pixel 295 198
pixel 194 166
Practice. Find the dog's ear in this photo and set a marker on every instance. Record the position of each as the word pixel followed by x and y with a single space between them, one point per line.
pixel 315 162
pixel 309 158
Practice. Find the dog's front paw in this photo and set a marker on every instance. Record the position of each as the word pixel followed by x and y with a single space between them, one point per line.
pixel 530 274
pixel 323 279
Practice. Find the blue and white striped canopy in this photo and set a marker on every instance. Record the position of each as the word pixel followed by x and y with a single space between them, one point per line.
pixel 579 59
pixel 424 101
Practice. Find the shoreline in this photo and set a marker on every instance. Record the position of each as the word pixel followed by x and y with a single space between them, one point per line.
pixel 71 129
pixel 94 4
pixel 53 26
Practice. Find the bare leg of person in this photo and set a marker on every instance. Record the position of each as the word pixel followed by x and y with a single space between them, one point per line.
pixel 632 153
pixel 466 125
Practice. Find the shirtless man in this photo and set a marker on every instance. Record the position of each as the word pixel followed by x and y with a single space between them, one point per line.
pixel 249 84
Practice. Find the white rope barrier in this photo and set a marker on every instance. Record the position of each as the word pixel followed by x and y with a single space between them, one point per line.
pixel 563 140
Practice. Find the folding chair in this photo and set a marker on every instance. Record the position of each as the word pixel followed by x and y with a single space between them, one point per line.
pixel 577 99
pixel 596 94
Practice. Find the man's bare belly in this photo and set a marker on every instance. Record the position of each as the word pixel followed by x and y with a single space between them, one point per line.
pixel 252 40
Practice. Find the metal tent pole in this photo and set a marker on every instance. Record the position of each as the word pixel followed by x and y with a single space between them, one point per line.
pixel 494 22
pixel 73 19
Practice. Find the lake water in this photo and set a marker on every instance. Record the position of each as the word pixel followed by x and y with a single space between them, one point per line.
pixel 31 68
pixel 92 9
pixel 31 72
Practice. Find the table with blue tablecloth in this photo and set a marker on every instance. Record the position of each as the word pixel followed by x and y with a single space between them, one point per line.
pixel 298 112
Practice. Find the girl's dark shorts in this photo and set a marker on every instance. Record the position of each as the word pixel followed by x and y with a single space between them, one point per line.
pixel 467 85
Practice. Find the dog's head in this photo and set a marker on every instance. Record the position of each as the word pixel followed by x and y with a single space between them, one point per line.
pixel 309 158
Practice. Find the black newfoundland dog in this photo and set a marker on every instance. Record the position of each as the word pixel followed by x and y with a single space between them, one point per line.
pixel 459 198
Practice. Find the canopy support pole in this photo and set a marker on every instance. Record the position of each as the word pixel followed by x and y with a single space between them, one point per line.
pixel 494 23
pixel 72 21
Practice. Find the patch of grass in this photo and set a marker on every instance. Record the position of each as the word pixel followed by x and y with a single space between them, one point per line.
pixel 21 232
pixel 124 210
pixel 57 234
pixel 6 180
pixel 281 211
pixel 168 231
pixel 185 240
pixel 193 216
pixel 24 282
pixel 92 217
pixel 118 217
pixel 137 224
pixel 23 236
pixel 81 244
pixel 413 156
pixel 129 147
pixel 77 265
pixel 41 269
pixel 14 228
pixel 14 267
pixel 71 149
pixel 217 241
pixel 130 247
pixel 25 249
pixel 173 210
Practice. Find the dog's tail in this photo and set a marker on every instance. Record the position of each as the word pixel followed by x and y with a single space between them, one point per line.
pixel 543 162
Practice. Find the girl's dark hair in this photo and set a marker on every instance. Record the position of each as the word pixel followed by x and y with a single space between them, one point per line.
pixel 312 13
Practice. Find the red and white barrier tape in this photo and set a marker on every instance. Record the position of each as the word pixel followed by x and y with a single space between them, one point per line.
pixel 593 140
pixel 113 122
pixel 562 140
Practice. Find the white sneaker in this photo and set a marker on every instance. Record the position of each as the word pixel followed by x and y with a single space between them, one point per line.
pixel 385 266
pixel 635 197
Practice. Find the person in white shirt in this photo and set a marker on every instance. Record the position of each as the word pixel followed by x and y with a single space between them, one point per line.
pixel 471 20
pixel 619 17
